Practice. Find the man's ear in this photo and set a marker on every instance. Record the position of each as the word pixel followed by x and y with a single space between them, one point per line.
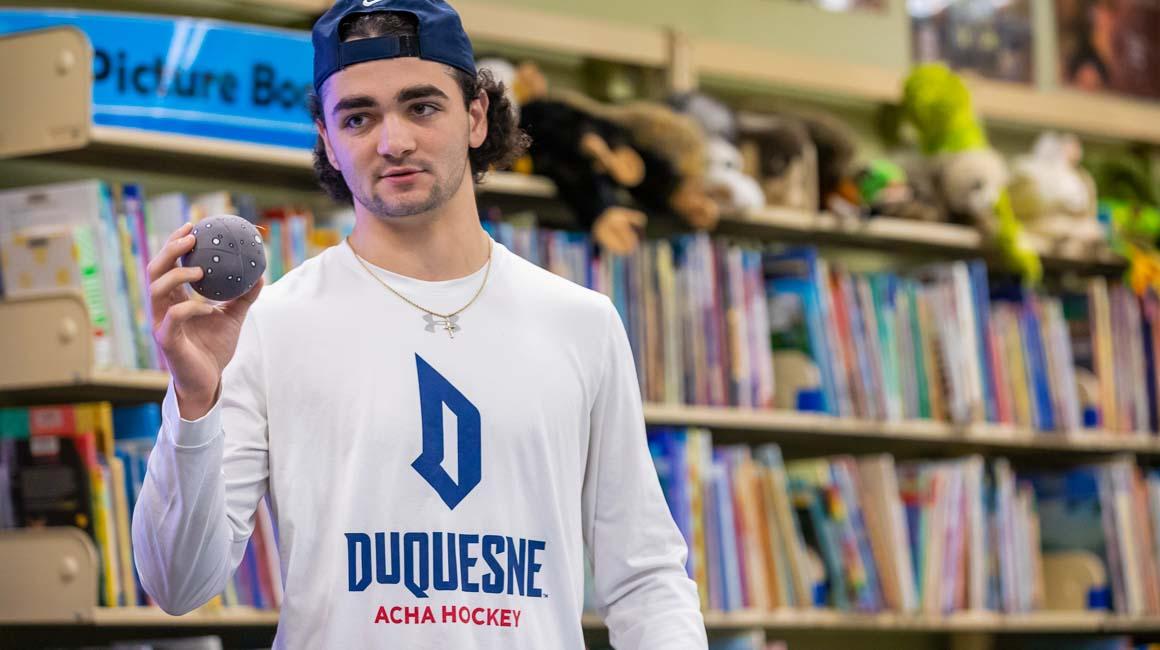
pixel 477 113
pixel 321 128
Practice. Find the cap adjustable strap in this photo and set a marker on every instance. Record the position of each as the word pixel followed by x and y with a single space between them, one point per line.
pixel 379 47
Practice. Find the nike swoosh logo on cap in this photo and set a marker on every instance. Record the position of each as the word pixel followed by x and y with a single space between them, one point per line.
pixel 371 3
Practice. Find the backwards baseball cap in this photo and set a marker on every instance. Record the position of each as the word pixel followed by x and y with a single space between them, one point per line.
pixel 440 37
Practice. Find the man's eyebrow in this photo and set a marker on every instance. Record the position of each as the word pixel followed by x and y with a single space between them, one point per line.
pixel 353 101
pixel 417 92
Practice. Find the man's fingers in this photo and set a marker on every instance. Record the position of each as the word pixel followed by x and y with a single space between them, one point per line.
pixel 165 291
pixel 182 231
pixel 178 314
pixel 173 279
pixel 179 243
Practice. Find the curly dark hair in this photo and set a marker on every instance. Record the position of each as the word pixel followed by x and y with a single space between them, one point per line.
pixel 505 141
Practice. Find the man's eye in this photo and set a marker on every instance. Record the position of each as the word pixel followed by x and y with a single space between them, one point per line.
pixel 355 121
pixel 424 110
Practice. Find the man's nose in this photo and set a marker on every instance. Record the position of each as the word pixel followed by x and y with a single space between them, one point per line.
pixel 396 139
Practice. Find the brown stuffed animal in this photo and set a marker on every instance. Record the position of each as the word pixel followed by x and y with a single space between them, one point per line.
pixel 600 156
pixel 672 148
pixel 589 158
pixel 779 153
pixel 680 145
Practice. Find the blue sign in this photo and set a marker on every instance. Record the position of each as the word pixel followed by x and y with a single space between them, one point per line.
pixel 190 75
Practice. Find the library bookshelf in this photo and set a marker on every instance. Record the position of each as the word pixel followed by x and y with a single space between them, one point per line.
pixel 53 364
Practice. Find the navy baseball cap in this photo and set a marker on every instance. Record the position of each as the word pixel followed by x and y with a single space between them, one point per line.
pixel 440 37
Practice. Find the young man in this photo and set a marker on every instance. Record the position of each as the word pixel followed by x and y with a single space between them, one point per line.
pixel 444 429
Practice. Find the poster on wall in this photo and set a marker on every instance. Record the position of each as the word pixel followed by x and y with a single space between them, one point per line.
pixel 842 6
pixel 1110 45
pixel 990 38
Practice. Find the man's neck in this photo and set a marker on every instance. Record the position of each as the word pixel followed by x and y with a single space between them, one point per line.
pixel 444 245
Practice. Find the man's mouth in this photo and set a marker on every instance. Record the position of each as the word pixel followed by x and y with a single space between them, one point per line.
pixel 401 173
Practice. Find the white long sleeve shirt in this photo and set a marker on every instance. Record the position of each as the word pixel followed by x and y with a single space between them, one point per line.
pixel 429 491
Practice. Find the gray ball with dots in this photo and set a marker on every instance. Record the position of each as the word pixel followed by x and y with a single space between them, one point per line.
pixel 229 249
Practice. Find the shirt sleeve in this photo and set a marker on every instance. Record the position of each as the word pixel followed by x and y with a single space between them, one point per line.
pixel 636 551
pixel 205 478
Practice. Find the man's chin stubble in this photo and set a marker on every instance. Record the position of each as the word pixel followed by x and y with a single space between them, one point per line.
pixel 387 210
pixel 438 196
pixel 383 210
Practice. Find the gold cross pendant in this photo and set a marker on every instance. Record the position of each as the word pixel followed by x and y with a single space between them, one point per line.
pixel 447 324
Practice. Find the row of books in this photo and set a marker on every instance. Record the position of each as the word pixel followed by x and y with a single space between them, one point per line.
pixel 945 343
pixel 870 534
pixel 721 324
pixel 1112 511
pixel 98 238
pixel 83 465
pixel 694 308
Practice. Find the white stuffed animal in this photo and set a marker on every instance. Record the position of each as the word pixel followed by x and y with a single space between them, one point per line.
pixel 726 182
pixel 1052 195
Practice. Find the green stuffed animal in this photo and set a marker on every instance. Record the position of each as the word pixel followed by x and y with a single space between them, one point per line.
pixel 937 102
pixel 972 177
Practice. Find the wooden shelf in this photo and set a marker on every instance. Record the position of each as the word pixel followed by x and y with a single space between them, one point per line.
pixel 120 386
pixel 536 187
pixel 153 617
pixel 127 139
pixel 984 622
pixel 225 159
pixel 903 235
pixel 1047 622
pixel 968 622
pixel 813 430
pixel 999 103
pixel 1100 115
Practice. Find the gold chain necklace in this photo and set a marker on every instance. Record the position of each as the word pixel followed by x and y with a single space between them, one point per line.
pixel 447 322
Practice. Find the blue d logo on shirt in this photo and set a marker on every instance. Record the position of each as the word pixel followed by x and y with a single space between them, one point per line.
pixel 434 392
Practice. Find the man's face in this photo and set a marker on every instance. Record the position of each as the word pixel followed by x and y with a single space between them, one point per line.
pixel 398 131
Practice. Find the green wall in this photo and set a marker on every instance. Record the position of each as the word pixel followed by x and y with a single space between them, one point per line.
pixel 792 26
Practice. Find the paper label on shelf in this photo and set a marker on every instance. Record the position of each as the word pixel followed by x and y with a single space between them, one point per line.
pixel 191 76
